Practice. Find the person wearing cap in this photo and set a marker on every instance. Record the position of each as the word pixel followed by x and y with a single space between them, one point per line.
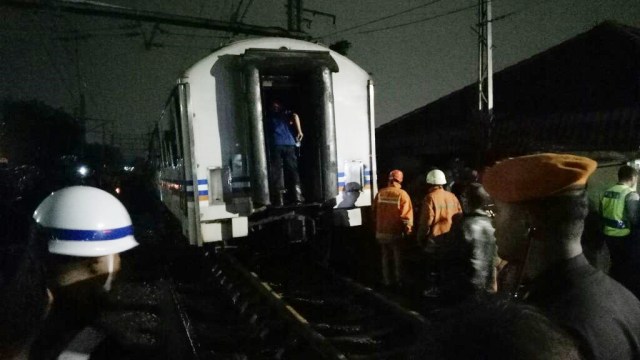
pixel 350 195
pixel 436 216
pixel 85 229
pixel 619 212
pixel 393 219
pixel 541 206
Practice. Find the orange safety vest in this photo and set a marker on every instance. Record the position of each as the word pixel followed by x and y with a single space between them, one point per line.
pixel 393 212
pixel 439 206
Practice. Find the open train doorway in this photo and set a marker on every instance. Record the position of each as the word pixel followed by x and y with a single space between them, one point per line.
pixel 301 81
pixel 292 94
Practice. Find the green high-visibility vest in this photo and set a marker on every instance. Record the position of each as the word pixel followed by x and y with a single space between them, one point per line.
pixel 612 205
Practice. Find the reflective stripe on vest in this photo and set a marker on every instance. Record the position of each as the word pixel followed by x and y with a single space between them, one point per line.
pixel 612 203
pixel 389 199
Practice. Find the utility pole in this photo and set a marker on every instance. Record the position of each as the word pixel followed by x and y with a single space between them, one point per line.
pixel 485 58
pixel 485 79
pixel 294 15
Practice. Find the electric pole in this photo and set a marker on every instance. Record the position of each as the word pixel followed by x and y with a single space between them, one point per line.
pixel 294 15
pixel 485 58
pixel 485 78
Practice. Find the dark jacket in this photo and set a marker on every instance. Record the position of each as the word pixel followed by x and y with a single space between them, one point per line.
pixel 601 314
pixel 472 252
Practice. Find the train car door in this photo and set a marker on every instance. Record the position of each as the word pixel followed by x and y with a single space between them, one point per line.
pixel 302 80
pixel 294 94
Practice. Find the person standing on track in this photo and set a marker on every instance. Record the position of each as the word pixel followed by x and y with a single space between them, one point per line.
pixel 619 213
pixel 436 216
pixel 393 219
pixel 470 265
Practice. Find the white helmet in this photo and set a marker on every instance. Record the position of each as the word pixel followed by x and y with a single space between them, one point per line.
pixel 85 221
pixel 436 177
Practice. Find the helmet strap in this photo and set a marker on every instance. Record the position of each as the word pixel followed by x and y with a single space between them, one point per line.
pixel 107 283
pixel 520 292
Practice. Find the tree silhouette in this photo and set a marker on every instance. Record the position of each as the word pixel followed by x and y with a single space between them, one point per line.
pixel 32 133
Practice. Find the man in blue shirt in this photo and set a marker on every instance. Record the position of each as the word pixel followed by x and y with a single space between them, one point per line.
pixel 284 134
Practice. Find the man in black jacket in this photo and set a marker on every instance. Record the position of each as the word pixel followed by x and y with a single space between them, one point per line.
pixel 470 261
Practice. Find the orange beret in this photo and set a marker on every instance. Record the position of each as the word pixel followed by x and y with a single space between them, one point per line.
pixel 537 176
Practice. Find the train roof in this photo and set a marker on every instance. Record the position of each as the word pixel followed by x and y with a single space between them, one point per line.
pixel 273 43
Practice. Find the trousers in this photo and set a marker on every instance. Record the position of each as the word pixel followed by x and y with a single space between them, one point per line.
pixel 284 173
pixel 391 250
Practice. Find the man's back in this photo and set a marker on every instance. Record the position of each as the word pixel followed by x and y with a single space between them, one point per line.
pixel 619 219
pixel 601 314
pixel 439 207
pixel 618 208
pixel 392 206
pixel 279 128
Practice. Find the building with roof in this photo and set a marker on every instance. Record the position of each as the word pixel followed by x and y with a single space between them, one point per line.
pixel 581 96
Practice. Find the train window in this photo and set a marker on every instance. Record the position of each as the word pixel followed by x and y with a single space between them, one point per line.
pixel 170 127
pixel 154 156
pixel 170 144
pixel 177 123
pixel 173 129
pixel 170 136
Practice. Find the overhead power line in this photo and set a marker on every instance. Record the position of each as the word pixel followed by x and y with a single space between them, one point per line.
pixel 381 18
pixel 95 9
pixel 455 11
pixel 246 9
pixel 234 14
pixel 181 46
pixel 163 31
pixel 523 9
pixel 451 12
pixel 51 58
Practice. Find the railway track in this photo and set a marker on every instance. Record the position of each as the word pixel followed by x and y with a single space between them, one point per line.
pixel 294 309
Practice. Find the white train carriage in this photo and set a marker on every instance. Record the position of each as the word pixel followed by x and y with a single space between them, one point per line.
pixel 211 153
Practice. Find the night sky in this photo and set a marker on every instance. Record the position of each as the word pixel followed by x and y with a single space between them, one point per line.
pixel 415 57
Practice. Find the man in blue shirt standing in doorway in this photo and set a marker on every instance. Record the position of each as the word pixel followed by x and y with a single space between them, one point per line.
pixel 285 135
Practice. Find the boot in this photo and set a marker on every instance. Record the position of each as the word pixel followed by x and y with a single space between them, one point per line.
pixel 277 200
pixel 433 291
pixel 298 198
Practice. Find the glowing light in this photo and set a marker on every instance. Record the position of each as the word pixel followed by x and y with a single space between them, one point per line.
pixel 83 170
